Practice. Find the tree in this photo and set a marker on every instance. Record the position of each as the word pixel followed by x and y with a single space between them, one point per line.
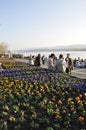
pixel 3 48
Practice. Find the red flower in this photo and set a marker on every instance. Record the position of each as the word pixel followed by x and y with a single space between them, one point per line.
pixel 81 118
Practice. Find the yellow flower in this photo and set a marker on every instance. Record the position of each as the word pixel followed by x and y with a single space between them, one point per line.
pixel 69 99
pixel 28 91
pixel 46 86
pixel 72 102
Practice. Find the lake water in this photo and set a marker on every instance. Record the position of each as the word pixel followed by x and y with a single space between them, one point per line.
pixel 74 54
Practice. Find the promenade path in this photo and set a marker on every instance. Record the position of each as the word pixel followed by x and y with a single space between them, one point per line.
pixel 76 72
pixel 79 72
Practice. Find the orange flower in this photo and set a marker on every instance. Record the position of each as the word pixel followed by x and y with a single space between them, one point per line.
pixel 77 98
pixel 57 116
pixel 0 97
pixel 60 102
pixel 9 85
pixel 62 88
pixel 80 95
pixel 16 80
pixel 57 92
pixel 33 93
pixel 17 93
pixel 0 86
pixel 81 118
pixel 72 108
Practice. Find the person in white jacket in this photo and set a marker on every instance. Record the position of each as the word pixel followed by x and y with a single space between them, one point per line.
pixel 51 64
pixel 60 65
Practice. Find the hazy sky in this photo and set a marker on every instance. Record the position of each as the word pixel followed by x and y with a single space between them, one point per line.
pixel 42 23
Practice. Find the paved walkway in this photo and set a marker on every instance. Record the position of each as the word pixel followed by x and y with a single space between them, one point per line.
pixel 79 72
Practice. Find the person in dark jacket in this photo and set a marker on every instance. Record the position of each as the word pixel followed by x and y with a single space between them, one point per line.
pixel 38 60
pixel 69 63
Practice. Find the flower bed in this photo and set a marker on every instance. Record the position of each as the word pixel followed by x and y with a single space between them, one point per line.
pixel 37 98
pixel 12 63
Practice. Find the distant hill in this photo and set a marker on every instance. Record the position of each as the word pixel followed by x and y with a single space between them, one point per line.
pixel 57 48
pixel 72 48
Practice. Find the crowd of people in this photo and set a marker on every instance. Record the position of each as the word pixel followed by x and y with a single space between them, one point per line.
pixel 59 64
pixel 80 63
